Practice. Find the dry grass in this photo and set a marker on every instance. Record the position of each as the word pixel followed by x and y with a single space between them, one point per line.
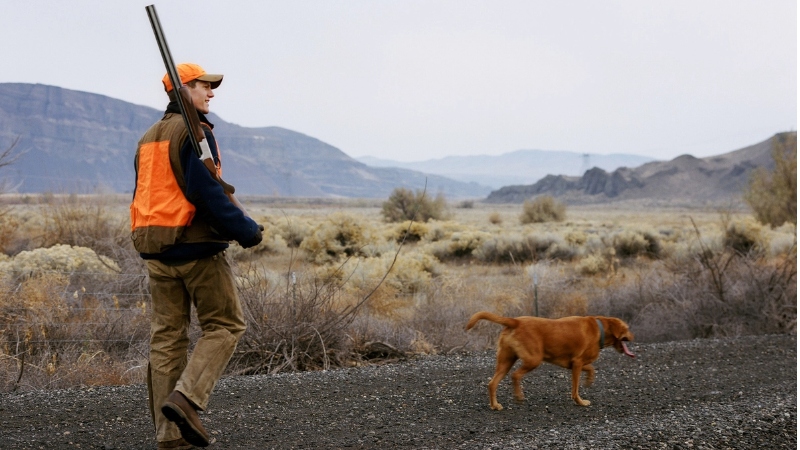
pixel 334 285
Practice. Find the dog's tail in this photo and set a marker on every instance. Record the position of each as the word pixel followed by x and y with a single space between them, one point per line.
pixel 485 315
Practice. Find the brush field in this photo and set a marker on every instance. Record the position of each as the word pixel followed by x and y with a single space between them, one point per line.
pixel 333 285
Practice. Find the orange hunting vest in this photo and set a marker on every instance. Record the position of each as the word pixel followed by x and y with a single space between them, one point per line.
pixel 161 216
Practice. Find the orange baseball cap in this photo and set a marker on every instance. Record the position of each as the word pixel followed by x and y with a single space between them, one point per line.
pixel 189 72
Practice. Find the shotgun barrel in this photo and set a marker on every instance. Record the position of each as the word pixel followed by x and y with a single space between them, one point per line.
pixel 196 134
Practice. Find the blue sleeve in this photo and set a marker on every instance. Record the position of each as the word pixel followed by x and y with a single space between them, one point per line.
pixel 207 195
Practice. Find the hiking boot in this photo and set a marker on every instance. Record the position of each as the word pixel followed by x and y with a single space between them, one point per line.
pixel 176 444
pixel 177 409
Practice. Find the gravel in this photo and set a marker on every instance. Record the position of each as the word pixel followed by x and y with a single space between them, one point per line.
pixel 737 393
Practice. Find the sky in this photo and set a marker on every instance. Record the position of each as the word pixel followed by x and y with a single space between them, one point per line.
pixel 413 80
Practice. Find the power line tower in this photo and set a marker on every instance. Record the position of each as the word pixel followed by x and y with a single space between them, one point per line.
pixel 585 163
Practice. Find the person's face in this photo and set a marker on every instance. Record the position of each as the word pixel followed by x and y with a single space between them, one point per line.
pixel 201 95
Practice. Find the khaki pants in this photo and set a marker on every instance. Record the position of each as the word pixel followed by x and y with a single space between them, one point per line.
pixel 208 285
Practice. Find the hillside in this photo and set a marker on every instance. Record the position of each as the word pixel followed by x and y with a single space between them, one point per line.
pixel 514 168
pixel 714 180
pixel 78 142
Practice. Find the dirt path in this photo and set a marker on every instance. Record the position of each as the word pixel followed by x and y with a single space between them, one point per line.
pixel 701 394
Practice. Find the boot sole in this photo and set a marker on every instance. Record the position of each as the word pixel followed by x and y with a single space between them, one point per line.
pixel 192 435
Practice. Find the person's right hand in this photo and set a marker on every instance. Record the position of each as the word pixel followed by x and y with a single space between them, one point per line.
pixel 256 239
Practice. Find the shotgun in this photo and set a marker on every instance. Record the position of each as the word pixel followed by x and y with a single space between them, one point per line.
pixel 184 99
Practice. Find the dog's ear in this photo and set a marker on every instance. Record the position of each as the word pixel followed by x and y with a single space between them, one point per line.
pixel 619 329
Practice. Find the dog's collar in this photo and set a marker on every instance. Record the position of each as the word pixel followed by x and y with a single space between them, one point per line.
pixel 602 334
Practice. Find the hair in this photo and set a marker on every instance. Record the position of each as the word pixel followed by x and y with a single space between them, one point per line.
pixel 172 94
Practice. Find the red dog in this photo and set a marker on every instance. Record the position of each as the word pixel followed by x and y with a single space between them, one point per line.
pixel 570 342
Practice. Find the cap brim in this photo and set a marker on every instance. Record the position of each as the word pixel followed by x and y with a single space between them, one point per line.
pixel 214 79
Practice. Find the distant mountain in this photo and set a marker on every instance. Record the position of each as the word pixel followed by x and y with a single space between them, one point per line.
pixel 713 180
pixel 77 142
pixel 513 168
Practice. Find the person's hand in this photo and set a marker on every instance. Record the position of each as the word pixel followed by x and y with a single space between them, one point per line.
pixel 256 239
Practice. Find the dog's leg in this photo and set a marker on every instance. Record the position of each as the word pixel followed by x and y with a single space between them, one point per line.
pixel 576 381
pixel 516 379
pixel 505 360
pixel 589 369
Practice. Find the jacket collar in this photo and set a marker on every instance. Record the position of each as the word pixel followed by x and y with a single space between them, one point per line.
pixel 173 107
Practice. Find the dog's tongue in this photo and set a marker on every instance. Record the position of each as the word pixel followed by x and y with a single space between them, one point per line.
pixel 626 351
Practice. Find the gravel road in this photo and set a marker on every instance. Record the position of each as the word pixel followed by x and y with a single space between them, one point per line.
pixel 738 393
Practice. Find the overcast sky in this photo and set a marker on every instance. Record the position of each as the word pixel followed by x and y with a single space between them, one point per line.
pixel 413 80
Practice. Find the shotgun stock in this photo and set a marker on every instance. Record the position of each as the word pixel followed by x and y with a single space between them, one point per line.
pixel 184 99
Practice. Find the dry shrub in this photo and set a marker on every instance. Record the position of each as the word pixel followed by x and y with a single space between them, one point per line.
pixel 460 245
pixel 569 304
pixel 442 230
pixel 58 258
pixel 9 226
pixel 597 244
pixel 745 236
pixel 505 303
pixel 628 243
pixel 61 340
pixel 576 238
pixel 547 246
pixel 547 280
pixel 413 271
pixel 339 235
pixel 687 251
pixel 252 275
pixel 542 209
pixel 742 294
pixel 503 249
pixel 782 240
pixel 632 243
pixel 293 230
pixel 409 231
pixel 561 251
pixel 557 298
pixel 773 195
pixel 434 324
pixel 642 298
pixel 38 304
pixel 595 263
pixel 312 320
pixel 466 204
pixel 403 204
pixel 82 266
pixel 386 302
pixel 299 325
pixel 421 346
pixel 517 248
pixel 440 314
pixel 406 272
pixel 93 222
pixel 495 218
pixel 85 221
pixel 715 293
pixel 97 368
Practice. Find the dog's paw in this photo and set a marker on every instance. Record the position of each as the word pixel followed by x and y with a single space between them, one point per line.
pixel 582 402
pixel 497 407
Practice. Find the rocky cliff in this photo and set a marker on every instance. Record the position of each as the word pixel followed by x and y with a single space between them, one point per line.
pixel 717 179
